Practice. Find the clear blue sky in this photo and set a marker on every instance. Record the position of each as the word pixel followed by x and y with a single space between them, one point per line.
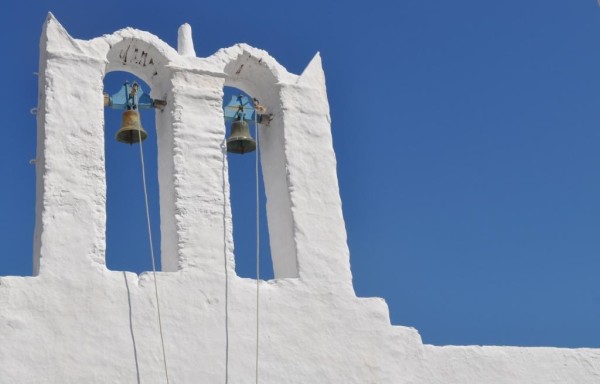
pixel 467 135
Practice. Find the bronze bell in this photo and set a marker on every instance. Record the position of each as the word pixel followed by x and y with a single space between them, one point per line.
pixel 240 141
pixel 131 128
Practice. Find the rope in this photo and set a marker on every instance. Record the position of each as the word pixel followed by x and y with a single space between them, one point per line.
pixel 162 340
pixel 225 265
pixel 257 242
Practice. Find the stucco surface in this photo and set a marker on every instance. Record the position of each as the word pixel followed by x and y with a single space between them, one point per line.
pixel 78 322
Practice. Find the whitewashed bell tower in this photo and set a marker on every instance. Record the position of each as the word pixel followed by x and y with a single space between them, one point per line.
pixel 76 321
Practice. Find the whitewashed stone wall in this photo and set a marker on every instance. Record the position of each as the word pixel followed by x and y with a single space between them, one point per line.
pixel 77 322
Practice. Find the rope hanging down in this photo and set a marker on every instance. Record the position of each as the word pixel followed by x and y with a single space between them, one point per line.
pixel 162 340
pixel 257 241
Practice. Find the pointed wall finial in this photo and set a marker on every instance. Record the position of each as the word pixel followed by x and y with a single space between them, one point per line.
pixel 55 38
pixel 313 73
pixel 185 44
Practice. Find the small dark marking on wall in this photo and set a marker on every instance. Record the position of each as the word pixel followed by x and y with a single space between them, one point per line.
pixel 239 69
pixel 123 55
pixel 133 54
pixel 143 58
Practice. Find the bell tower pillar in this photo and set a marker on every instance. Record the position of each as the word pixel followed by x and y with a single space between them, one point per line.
pixel 70 173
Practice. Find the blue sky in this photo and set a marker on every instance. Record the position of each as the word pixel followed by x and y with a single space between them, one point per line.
pixel 467 135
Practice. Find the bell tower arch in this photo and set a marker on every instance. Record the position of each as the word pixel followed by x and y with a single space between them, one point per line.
pixel 306 226
pixel 63 90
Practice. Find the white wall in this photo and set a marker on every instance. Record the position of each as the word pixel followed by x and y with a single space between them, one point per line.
pixel 78 322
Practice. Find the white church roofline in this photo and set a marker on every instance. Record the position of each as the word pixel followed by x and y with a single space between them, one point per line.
pixel 78 322
pixel 217 62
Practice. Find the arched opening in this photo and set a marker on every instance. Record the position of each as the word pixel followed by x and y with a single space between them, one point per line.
pixel 242 180
pixel 255 73
pixel 127 245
